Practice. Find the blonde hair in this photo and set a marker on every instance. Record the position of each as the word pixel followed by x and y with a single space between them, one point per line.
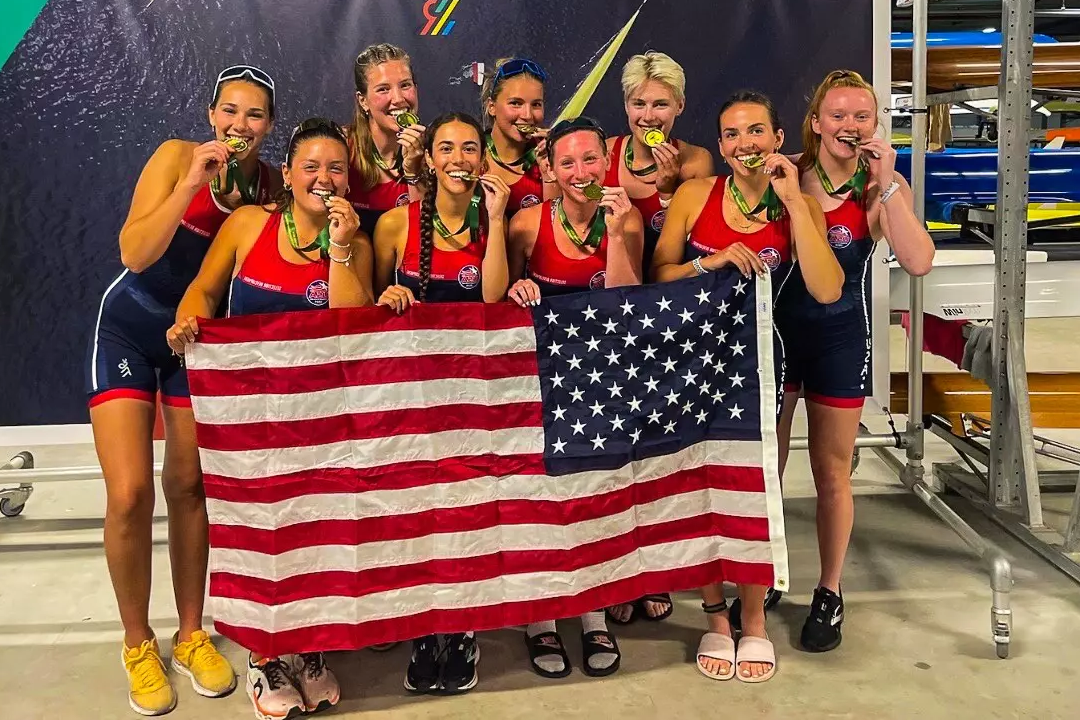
pixel 835 79
pixel 657 66
pixel 362 145
pixel 490 89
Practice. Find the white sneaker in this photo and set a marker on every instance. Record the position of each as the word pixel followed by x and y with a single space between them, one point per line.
pixel 271 689
pixel 317 682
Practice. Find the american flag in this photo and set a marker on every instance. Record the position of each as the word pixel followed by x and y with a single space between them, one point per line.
pixel 373 478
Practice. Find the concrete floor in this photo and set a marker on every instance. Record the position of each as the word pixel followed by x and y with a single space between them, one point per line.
pixel 917 641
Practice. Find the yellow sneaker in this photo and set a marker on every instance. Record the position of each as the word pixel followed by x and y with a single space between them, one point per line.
pixel 150 692
pixel 211 674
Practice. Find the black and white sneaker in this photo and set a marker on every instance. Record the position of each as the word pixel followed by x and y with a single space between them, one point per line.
pixel 423 673
pixel 821 631
pixel 459 670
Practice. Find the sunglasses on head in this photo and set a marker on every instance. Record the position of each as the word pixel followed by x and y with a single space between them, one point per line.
pixel 248 72
pixel 517 66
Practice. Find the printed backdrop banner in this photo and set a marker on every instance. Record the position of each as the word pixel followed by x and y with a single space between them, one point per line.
pixel 95 85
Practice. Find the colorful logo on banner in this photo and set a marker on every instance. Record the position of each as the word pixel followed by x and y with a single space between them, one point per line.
pixel 437 14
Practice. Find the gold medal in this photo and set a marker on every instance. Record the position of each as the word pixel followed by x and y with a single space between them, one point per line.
pixel 326 195
pixel 593 191
pixel 462 175
pixel 852 141
pixel 755 161
pixel 407 118
pixel 654 137
pixel 237 144
pixel 526 129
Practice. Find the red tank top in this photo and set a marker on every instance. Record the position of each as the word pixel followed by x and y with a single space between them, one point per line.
pixel 527 190
pixel 846 224
pixel 205 215
pixel 455 274
pixel 652 214
pixel 382 197
pixel 711 233
pixel 549 266
pixel 265 268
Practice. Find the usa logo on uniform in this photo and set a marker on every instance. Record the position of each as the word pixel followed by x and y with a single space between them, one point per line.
pixel 771 258
pixel 469 277
pixel 839 236
pixel 318 293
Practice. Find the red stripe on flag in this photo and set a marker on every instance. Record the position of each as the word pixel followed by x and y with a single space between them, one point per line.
pixel 400 476
pixel 355 373
pixel 357 321
pixel 328 637
pixel 476 568
pixel 487 515
pixel 366 426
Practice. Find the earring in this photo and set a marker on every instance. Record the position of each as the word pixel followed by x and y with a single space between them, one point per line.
pixel 288 187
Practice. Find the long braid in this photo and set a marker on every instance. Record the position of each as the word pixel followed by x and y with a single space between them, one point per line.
pixel 427 237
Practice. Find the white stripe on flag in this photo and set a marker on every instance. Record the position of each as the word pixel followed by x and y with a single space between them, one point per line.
pixel 366 346
pixel 770 456
pixel 233 409
pixel 430 447
pixel 521 587
pixel 477 543
pixel 464 493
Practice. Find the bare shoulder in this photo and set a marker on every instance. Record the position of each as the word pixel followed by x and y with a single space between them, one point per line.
pixel 526 218
pixel 698 188
pixel 248 217
pixel 392 224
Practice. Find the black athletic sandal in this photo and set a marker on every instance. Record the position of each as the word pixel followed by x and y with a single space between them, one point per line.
pixel 656 598
pixel 599 642
pixel 772 598
pixel 547 643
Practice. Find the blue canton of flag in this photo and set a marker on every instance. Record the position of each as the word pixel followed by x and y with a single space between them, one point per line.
pixel 638 372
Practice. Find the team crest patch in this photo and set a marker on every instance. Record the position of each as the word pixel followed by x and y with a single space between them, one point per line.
pixel 839 236
pixel 657 221
pixel 529 200
pixel 469 277
pixel 318 293
pixel 596 282
pixel 771 258
pixel 402 199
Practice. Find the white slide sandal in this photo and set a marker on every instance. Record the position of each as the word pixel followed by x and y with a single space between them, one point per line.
pixel 717 647
pixel 756 650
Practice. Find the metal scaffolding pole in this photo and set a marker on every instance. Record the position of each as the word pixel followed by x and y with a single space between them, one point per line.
pixel 914 471
pixel 1013 473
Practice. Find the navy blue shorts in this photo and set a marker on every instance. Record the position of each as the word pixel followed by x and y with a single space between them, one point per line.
pixel 128 356
pixel 829 359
